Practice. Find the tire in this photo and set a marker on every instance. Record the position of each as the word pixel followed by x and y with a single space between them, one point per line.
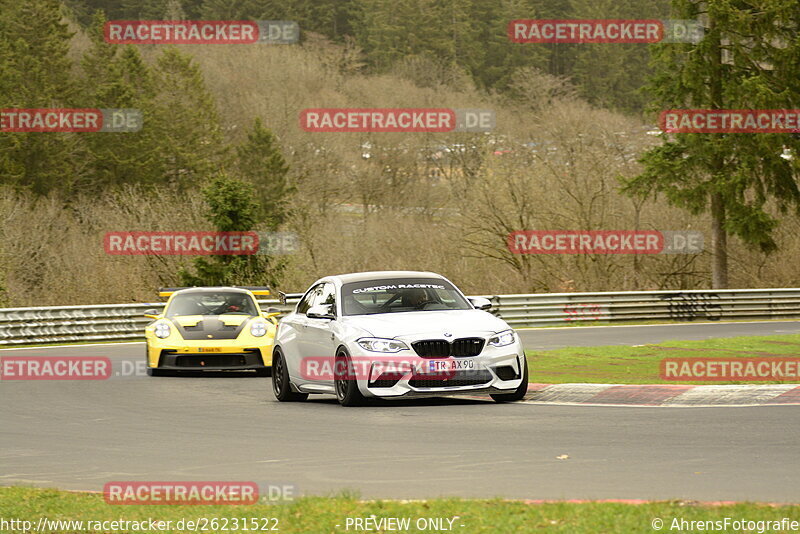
pixel 265 371
pixel 154 372
pixel 347 392
pixel 281 385
pixel 519 393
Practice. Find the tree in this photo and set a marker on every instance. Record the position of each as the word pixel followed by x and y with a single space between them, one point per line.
pixel 732 176
pixel 231 208
pixel 390 30
pixel 115 76
pixel 260 162
pixel 228 9
pixel 611 75
pixel 37 73
pixel 501 58
pixel 186 120
pixel 328 17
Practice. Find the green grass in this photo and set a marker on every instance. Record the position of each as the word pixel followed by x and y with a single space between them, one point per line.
pixel 321 514
pixel 640 365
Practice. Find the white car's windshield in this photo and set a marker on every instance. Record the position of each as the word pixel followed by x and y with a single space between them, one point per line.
pixel 211 303
pixel 401 295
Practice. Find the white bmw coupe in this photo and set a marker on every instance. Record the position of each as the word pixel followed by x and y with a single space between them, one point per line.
pixel 395 334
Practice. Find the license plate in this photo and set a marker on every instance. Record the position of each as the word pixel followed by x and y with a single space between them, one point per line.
pixel 438 366
pixel 209 349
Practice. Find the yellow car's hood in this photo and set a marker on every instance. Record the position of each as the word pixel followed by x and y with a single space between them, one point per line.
pixel 227 319
pixel 208 327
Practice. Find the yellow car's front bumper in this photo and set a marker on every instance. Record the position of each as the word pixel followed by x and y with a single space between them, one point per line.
pixel 244 352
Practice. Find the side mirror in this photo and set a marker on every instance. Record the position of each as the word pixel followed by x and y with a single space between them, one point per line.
pixel 320 312
pixel 151 313
pixel 271 317
pixel 480 303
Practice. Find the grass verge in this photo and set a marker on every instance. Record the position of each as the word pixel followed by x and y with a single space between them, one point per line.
pixel 323 514
pixel 641 364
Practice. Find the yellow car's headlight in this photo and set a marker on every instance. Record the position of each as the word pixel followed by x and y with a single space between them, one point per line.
pixel 162 330
pixel 258 328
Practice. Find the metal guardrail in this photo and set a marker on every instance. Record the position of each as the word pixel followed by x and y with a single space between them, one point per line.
pixel 108 322
pixel 686 305
pixel 101 322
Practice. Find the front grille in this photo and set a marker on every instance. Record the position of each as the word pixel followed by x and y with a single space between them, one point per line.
pixel 441 348
pixel 211 360
pixel 460 378
pixel 432 348
pixel 467 346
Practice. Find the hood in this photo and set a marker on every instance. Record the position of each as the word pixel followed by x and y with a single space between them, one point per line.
pixel 192 320
pixel 197 327
pixel 430 324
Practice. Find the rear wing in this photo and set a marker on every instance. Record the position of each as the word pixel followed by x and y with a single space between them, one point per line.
pixel 285 297
pixel 259 291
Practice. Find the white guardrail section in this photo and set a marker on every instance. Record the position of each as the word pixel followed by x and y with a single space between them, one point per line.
pixel 108 322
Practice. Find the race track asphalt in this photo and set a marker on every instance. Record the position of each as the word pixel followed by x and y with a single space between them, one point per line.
pixel 82 434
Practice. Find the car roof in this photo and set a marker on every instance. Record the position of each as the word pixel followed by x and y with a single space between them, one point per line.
pixel 382 275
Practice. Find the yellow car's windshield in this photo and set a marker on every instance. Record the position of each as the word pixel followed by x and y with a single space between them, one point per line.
pixel 212 303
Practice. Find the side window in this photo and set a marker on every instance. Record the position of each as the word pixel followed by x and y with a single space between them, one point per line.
pixel 307 301
pixel 327 297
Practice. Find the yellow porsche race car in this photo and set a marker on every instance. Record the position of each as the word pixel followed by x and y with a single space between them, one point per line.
pixel 210 329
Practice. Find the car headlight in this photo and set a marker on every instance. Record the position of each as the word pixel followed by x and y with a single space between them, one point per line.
pixel 377 344
pixel 506 337
pixel 258 328
pixel 162 330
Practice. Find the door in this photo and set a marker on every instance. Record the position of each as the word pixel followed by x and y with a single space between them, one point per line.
pixel 319 340
pixel 293 330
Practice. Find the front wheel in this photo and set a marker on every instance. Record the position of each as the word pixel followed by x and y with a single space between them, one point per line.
pixel 519 393
pixel 347 392
pixel 281 386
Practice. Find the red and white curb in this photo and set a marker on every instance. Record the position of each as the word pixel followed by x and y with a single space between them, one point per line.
pixel 664 394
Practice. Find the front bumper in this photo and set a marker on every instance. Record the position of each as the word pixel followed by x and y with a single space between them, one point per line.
pixel 227 361
pixel 493 371
pixel 176 353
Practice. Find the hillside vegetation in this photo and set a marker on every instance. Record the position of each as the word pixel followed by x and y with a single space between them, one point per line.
pixel 440 202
